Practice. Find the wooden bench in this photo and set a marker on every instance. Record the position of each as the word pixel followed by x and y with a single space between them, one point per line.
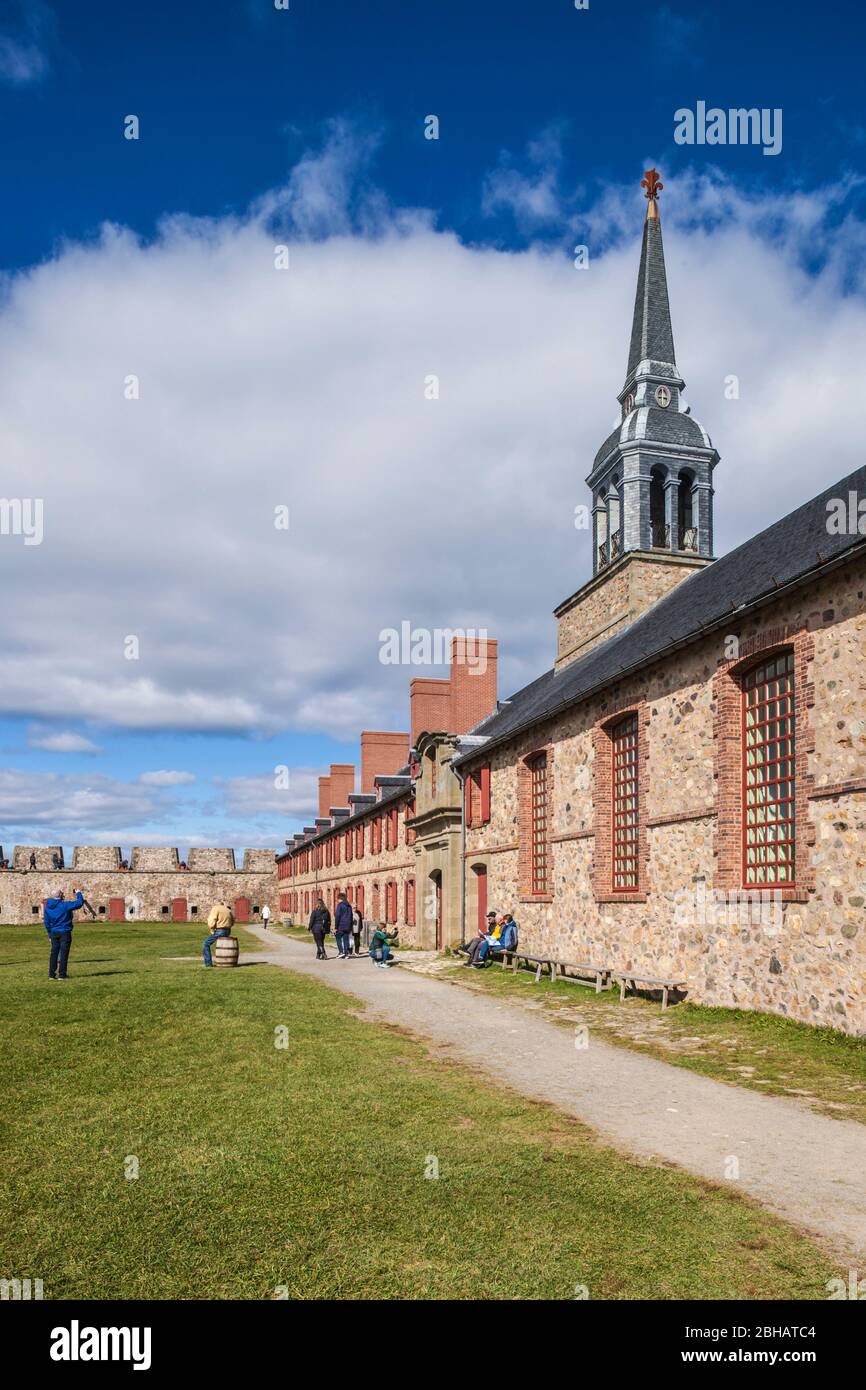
pixel 538 962
pixel 598 975
pixel 631 978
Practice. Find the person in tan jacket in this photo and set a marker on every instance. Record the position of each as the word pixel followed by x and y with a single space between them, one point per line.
pixel 220 920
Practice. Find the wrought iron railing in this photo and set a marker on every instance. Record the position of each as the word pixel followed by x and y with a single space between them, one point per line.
pixel 689 538
pixel 661 536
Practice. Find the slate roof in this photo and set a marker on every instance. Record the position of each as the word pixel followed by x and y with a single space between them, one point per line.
pixel 389 795
pixel 651 333
pixel 656 426
pixel 786 553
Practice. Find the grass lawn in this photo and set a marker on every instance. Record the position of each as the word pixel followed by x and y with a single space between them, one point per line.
pixel 821 1067
pixel 304 1167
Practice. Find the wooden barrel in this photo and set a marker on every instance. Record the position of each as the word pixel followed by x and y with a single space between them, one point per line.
pixel 225 951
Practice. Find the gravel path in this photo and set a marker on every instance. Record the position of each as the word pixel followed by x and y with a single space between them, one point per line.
pixel 807 1168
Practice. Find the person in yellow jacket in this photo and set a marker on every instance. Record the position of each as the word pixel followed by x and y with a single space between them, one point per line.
pixel 220 920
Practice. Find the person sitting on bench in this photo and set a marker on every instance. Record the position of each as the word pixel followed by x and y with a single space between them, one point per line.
pixel 485 932
pixel 506 942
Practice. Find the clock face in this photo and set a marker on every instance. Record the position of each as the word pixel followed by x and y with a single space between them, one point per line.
pixel 663 396
pixel 628 405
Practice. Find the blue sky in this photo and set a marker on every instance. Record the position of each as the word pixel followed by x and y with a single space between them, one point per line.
pixel 230 94
pixel 409 256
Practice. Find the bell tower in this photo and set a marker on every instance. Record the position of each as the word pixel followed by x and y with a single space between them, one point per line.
pixel 651 481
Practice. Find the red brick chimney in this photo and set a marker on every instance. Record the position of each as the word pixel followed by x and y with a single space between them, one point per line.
pixel 381 753
pixel 342 782
pixel 473 681
pixel 429 705
pixel 325 801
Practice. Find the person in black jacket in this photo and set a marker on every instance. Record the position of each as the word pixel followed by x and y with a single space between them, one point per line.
pixel 343 926
pixel 320 925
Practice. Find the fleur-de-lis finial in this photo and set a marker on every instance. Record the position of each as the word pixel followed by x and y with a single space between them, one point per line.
pixel 652 183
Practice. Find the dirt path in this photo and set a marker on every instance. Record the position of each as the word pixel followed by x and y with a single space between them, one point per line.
pixel 809 1169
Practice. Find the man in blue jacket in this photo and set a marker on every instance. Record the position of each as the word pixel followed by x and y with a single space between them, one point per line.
pixel 58 924
pixel 507 941
pixel 343 926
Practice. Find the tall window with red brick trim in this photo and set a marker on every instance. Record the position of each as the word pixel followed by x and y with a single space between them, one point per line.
pixel 768 773
pixel 626 810
pixel 409 902
pixel 538 801
pixel 359 842
pixel 359 898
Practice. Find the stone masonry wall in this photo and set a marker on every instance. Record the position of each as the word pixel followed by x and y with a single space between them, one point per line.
pixel 147 894
pixel 611 601
pixel 372 872
pixel 805 959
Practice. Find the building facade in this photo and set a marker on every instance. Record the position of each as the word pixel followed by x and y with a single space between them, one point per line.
pixel 683 793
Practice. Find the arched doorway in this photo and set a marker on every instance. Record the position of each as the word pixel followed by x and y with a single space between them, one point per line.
pixel 436 907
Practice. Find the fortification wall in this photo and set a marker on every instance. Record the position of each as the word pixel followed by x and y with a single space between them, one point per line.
pixel 215 859
pixel 154 889
pixel 45 855
pixel 95 857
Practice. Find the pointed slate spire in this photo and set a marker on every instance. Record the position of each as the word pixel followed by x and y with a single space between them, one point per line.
pixel 651 479
pixel 652 337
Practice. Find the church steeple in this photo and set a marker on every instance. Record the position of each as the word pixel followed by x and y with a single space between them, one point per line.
pixel 652 337
pixel 652 478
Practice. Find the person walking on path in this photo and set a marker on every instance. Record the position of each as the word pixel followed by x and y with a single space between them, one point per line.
pixel 58 924
pixel 357 927
pixel 266 916
pixel 343 926
pixel 320 925
pixel 220 920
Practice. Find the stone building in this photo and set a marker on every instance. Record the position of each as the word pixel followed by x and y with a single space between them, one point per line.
pixel 155 886
pixel 682 793
pixel 395 848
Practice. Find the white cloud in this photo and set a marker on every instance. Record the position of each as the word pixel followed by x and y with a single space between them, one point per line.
pixel 250 797
pixel 534 198
pixel 59 803
pixel 166 778
pixel 305 387
pixel 24 40
pixel 63 741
